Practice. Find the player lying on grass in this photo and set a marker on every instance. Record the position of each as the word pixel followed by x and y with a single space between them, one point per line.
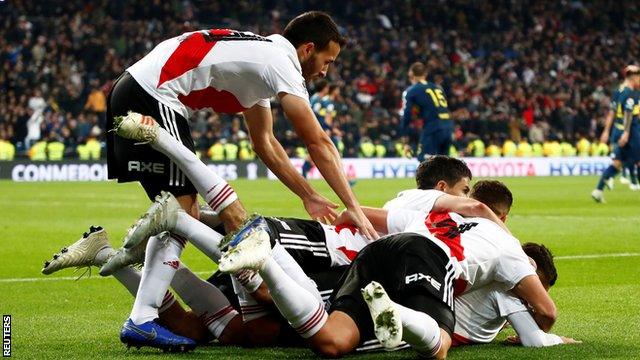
pixel 482 251
pixel 211 316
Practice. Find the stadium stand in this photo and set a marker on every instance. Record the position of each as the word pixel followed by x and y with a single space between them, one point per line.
pixel 515 73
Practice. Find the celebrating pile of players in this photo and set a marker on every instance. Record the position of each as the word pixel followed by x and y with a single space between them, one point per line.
pixel 436 267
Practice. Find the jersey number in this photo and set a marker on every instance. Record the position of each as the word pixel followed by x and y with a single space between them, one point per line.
pixel 438 97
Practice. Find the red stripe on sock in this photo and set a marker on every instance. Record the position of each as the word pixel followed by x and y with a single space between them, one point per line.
pixel 218 315
pixel 313 321
pixel 218 204
pixel 221 196
pixel 215 198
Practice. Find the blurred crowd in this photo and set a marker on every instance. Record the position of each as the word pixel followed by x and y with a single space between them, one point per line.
pixel 513 71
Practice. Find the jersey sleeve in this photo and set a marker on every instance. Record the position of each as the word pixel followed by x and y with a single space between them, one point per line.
pixel 513 266
pixel 507 303
pixel 529 332
pixel 627 101
pixel 283 77
pixel 398 220
pixel 416 199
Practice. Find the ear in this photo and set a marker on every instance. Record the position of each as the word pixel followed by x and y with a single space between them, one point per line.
pixel 441 185
pixel 307 49
pixel 504 218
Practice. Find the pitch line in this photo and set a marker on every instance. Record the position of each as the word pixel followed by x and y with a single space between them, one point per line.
pixel 64 278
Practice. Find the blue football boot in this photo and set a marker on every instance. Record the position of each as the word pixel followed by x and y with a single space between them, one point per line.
pixel 154 335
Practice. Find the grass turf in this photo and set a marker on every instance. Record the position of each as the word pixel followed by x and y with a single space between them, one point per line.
pixel 54 319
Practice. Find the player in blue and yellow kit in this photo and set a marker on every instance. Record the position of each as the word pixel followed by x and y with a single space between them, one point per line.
pixel 625 135
pixel 324 107
pixel 426 101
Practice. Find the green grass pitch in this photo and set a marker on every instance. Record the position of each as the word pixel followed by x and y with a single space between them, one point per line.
pixel 598 297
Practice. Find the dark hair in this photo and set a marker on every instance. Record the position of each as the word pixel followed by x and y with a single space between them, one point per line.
pixel 321 85
pixel 544 260
pixel 313 26
pixel 440 167
pixel 418 69
pixel 494 194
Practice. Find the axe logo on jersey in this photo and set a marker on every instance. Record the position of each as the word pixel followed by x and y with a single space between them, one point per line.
pixel 141 166
pixel 420 276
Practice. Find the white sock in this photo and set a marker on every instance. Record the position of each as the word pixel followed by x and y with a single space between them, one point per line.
pixel 209 217
pixel 302 309
pixel 130 279
pixel 249 307
pixel 161 262
pixel 103 255
pixel 206 300
pixel 293 269
pixel 201 236
pixel 419 330
pixel 214 189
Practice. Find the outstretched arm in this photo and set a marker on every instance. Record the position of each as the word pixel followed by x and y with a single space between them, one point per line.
pixel 466 207
pixel 530 334
pixel 530 290
pixel 325 156
pixel 260 125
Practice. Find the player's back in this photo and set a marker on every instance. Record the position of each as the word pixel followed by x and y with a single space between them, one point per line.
pixel 481 314
pixel 431 105
pixel 227 71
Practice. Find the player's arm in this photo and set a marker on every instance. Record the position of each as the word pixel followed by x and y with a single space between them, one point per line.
pixel 608 122
pixel 325 156
pixel 543 308
pixel 466 207
pixel 407 107
pixel 627 119
pixel 260 125
pixel 530 334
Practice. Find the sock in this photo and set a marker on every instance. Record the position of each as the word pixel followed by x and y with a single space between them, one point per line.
pixel 206 300
pixel 609 172
pixel 249 307
pixel 302 310
pixel 630 168
pixel 293 270
pixel 210 217
pixel 419 330
pixel 305 168
pixel 130 279
pixel 201 236
pixel 162 259
pixel 214 189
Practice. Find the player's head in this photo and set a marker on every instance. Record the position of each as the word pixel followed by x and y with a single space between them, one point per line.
pixel 495 195
pixel 632 75
pixel 543 259
pixel 334 90
pixel 317 41
pixel 444 173
pixel 417 72
pixel 322 86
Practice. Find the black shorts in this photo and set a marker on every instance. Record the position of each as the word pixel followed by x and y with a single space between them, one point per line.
pixel 414 271
pixel 129 162
pixel 304 240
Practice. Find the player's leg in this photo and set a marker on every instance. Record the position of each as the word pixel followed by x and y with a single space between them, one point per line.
pixel 210 305
pixel 302 309
pixel 609 173
pixel 215 190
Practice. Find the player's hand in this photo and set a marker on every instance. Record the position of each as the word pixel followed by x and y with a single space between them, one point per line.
pixel 320 208
pixel 604 137
pixel 623 139
pixel 567 340
pixel 356 217
pixel 513 340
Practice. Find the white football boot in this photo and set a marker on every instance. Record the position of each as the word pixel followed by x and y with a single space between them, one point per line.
pixel 81 253
pixel 634 187
pixel 624 180
pixel 250 253
pixel 136 126
pixel 126 257
pixel 387 324
pixel 609 183
pixel 598 196
pixel 161 216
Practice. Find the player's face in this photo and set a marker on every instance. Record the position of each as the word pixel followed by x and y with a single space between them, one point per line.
pixel 315 64
pixel 461 188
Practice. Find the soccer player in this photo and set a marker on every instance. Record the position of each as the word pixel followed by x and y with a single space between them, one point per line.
pixel 427 101
pixel 323 105
pixel 211 317
pixel 623 137
pixel 227 71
